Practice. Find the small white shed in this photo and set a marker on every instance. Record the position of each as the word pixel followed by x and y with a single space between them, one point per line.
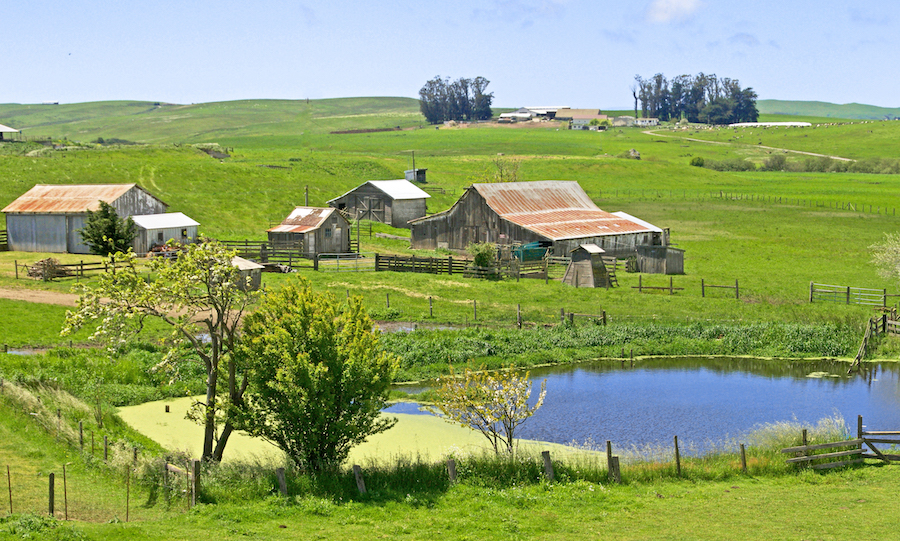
pixel 251 273
pixel 158 229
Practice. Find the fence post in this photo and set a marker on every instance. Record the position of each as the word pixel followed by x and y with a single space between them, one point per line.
pixel 562 315
pixel 848 294
pixel 51 479
pixel 859 429
pixel 677 458
pixel 315 262
pixel 105 448
pixel 195 486
pixel 640 284
pixel 282 482
pixel 430 307
pixel 810 292
pixel 519 316
pixel 548 465
pixel 474 310
pixel 81 435
pixel 377 260
pixel 743 459
pixel 702 288
pixel 603 313
pixel 360 483
pixel 671 291
pixel 884 298
pixel 16 263
pixel 736 290
pixel 451 469
pixel 9 485
pixel 449 264
pixel 387 297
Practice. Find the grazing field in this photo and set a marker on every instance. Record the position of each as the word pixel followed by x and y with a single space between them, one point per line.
pixel 773 232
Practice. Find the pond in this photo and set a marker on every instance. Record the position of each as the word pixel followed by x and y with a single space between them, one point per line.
pixel 705 402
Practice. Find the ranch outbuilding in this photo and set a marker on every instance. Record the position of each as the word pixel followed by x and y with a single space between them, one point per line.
pixel 558 212
pixel 47 218
pixel 158 229
pixel 315 230
pixel 393 202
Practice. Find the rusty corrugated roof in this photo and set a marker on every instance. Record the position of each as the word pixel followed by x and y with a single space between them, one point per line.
pixel 556 209
pixel 303 219
pixel 66 199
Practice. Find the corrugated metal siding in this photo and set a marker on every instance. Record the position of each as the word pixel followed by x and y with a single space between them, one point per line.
pixel 74 225
pixel 36 233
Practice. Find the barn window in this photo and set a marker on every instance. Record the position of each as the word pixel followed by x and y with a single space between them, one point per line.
pixel 159 236
pixel 184 233
pixel 327 232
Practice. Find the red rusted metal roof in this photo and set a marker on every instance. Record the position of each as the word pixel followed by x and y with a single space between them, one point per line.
pixel 303 219
pixel 66 199
pixel 556 209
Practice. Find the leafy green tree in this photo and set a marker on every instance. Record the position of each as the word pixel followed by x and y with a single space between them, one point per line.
pixel 484 254
pixel 493 403
pixel 318 379
pixel 198 295
pixel 105 233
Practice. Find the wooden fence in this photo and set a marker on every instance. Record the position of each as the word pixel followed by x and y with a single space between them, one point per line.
pixel 4 241
pixel 848 451
pixel 847 294
pixel 430 265
pixel 264 252
pixel 48 271
pixel 346 262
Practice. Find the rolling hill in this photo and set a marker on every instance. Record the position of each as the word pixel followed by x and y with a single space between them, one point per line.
pixel 824 109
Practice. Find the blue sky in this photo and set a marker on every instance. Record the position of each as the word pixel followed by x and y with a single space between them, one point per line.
pixel 534 52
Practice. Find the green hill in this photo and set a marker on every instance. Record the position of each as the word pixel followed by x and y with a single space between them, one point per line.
pixel 154 122
pixel 829 110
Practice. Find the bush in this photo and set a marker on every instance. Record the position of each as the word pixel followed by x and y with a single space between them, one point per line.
pixel 484 254
pixel 697 161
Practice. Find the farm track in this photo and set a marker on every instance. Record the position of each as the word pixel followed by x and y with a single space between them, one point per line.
pixel 651 132
pixel 39 296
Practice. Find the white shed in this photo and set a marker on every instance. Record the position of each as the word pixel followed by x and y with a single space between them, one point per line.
pixel 158 229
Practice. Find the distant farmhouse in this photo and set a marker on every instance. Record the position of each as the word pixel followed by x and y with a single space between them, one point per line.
pixel 580 119
pixel 6 129
pixel 557 212
pixel 530 113
pixel 315 229
pixel 47 218
pixel 646 122
pixel 392 202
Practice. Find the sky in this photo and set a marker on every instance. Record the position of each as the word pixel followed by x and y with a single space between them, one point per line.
pixel 576 53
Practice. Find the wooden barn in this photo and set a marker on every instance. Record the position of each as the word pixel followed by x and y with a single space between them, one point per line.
pixel 158 229
pixel 393 202
pixel 522 212
pixel 317 230
pixel 586 268
pixel 47 218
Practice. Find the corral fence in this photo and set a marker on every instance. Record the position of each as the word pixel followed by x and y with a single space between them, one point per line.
pixel 847 294
pixel 50 269
pixel 270 254
pixel 4 241
pixel 345 262
pixel 846 452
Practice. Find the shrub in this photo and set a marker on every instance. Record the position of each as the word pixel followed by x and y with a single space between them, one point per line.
pixel 697 161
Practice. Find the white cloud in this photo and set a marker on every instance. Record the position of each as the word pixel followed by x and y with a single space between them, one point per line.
pixel 664 11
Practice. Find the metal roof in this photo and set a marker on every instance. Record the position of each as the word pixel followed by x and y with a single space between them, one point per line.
pixel 303 219
pixel 590 248
pixel 638 221
pixel 7 129
pixel 555 209
pixel 169 220
pixel 395 189
pixel 67 198
pixel 245 264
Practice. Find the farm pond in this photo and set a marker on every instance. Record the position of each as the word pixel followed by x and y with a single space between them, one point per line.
pixel 709 403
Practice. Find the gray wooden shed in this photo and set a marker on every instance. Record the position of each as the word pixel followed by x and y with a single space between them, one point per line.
pixel 393 202
pixel 47 218
pixel 586 267
pixel 316 229
pixel 158 229
pixel 660 260
pixel 251 273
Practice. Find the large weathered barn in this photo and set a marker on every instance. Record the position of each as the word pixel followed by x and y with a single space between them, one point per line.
pixel 393 202
pixel 318 230
pixel 47 218
pixel 522 212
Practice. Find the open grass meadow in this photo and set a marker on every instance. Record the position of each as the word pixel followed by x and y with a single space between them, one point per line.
pixel 772 232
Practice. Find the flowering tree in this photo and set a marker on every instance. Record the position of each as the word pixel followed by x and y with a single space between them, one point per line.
pixel 200 296
pixel 494 403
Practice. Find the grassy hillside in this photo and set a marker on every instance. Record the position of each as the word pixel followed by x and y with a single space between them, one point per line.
pixel 150 122
pixel 825 109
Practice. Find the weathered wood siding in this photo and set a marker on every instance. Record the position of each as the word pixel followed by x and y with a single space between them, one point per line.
pixel 660 260
pixel 472 220
pixel 369 203
pixel 333 236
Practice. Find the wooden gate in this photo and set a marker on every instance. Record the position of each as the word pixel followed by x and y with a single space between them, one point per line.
pixel 848 452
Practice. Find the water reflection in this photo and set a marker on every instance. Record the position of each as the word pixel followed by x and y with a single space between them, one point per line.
pixel 705 401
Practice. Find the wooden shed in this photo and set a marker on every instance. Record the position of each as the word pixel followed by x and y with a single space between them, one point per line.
pixel 315 229
pixel 251 273
pixel 158 229
pixel 521 212
pixel 660 260
pixel 393 202
pixel 47 218
pixel 6 129
pixel 586 268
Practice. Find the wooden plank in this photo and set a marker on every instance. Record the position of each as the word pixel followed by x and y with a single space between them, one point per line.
pixel 803 448
pixel 881 433
pixel 836 464
pixel 883 440
pixel 877 452
pixel 809 458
